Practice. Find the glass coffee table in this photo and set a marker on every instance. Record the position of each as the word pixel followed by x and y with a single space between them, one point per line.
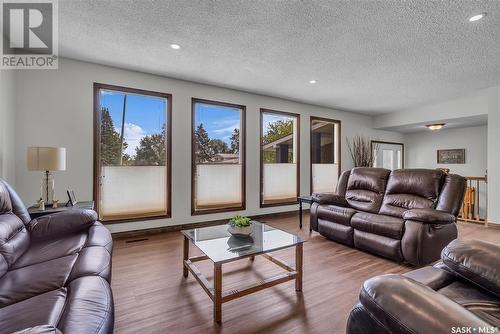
pixel 221 247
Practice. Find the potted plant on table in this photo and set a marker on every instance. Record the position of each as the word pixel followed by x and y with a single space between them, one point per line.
pixel 240 226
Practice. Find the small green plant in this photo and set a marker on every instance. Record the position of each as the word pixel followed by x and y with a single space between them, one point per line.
pixel 240 221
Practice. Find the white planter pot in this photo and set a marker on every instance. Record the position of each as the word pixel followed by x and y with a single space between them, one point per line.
pixel 240 231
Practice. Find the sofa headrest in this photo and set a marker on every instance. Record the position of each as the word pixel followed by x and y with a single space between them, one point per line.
pixel 420 182
pixel 366 187
pixel 366 178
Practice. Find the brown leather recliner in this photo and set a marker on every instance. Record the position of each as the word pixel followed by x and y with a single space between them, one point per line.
pixel 405 215
pixel 461 294
pixel 55 271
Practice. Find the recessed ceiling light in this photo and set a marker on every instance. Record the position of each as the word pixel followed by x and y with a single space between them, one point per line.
pixel 477 17
pixel 312 82
pixel 435 126
pixel 175 46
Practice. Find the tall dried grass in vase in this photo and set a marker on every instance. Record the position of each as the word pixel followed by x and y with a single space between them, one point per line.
pixel 361 151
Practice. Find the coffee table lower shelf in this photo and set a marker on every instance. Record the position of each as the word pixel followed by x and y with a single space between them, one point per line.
pixel 215 291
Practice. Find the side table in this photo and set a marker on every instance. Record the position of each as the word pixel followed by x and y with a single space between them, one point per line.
pixel 35 212
pixel 303 199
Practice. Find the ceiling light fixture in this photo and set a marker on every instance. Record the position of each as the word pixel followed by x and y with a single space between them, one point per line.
pixel 175 46
pixel 312 82
pixel 435 126
pixel 477 17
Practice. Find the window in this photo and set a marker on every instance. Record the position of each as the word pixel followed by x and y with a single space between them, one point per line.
pixel 325 154
pixel 387 154
pixel 132 149
pixel 279 161
pixel 218 157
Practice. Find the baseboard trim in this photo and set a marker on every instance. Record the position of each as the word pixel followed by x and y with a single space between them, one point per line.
pixel 163 229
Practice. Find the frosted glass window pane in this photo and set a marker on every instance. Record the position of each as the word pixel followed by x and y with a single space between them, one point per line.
pixel 324 177
pixel 133 190
pixel 280 182
pixel 218 185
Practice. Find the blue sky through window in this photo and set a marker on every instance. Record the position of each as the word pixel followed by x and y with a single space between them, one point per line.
pixel 145 115
pixel 219 121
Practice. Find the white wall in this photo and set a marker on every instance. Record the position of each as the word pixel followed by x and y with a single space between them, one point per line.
pixel 421 149
pixel 493 154
pixel 56 108
pixel 471 105
pixel 7 120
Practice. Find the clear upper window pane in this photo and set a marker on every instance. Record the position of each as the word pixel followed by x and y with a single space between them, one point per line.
pixel 278 139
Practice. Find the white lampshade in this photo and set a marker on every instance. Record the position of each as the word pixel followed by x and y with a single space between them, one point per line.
pixel 46 158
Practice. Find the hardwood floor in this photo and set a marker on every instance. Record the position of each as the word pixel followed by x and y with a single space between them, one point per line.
pixel 152 296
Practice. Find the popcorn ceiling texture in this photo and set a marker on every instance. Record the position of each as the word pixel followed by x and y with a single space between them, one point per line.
pixel 368 56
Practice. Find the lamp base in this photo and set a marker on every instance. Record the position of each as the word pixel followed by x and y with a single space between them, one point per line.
pixel 47 188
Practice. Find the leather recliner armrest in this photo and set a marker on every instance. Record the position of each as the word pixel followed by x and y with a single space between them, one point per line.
pixel 393 299
pixel 62 223
pixel 429 216
pixel 475 260
pixel 330 198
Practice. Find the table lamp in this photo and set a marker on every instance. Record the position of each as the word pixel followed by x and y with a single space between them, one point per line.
pixel 47 159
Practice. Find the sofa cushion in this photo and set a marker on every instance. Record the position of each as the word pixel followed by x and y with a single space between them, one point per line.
pixel 434 277
pixel 388 226
pixel 337 232
pixel 23 283
pixel 42 250
pixel 378 244
pixel 366 187
pixel 43 309
pixel 411 189
pixel 336 214
pixel 475 260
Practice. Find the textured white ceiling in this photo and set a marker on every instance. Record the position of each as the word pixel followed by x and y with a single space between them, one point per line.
pixel 368 56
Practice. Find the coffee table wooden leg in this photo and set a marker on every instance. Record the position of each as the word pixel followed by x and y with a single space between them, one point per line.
pixel 298 266
pixel 186 257
pixel 218 292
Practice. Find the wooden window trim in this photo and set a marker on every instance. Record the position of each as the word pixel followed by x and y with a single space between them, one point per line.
pixel 391 143
pixel 261 200
pixel 338 146
pixel 97 151
pixel 243 153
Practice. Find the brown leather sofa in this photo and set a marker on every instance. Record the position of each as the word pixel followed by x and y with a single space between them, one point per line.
pixel 55 271
pixel 461 294
pixel 405 215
